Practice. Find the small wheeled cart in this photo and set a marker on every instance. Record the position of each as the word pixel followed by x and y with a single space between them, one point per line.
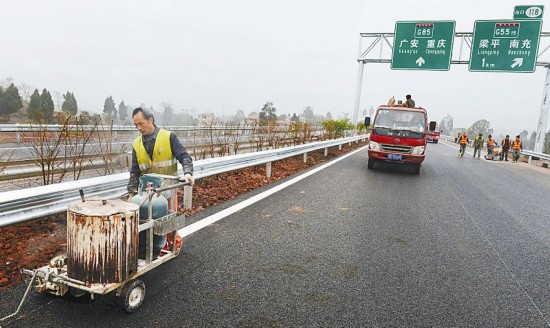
pixel 103 245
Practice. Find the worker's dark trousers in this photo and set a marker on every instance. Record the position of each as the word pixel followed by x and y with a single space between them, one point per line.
pixel 478 151
pixel 504 154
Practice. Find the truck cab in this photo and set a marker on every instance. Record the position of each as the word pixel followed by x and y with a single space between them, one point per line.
pixel 398 135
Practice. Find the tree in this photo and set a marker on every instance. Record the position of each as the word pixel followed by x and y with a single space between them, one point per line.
pixel 109 108
pixel 309 115
pixel 371 111
pixel 328 116
pixel 122 111
pixel 41 106
pixel 239 116
pixel 294 118
pixel 34 111
pixel 168 114
pixel 523 135
pixel 48 107
pixel 267 114
pixel 480 126
pixel 546 148
pixel 531 143
pixel 281 117
pixel 69 105
pixel 446 124
pixel 10 100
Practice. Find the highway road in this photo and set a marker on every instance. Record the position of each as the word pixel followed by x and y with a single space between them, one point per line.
pixel 465 243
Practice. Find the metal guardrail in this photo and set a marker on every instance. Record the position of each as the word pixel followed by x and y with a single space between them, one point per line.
pixel 27 204
pixel 532 154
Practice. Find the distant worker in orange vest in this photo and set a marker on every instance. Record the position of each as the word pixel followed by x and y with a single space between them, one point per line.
pixel 490 147
pixel 462 143
pixel 517 146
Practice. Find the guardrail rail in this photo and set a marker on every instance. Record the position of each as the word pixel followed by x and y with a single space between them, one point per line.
pixel 27 204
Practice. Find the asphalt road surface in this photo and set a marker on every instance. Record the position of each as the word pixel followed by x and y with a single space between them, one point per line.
pixel 465 243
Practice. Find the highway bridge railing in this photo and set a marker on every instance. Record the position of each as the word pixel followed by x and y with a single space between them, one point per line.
pixel 31 203
pixel 530 154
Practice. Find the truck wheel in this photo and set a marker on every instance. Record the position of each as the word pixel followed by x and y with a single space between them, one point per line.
pixel 132 295
pixel 416 169
pixel 370 163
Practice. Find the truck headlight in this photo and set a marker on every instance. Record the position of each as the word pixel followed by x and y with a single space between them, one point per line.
pixel 374 145
pixel 419 150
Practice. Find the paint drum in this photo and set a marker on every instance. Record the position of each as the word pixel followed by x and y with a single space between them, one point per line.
pixel 102 240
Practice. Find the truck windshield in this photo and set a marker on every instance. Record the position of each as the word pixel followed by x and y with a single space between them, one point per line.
pixel 402 120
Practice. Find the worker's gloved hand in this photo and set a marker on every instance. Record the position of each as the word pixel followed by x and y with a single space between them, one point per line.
pixel 189 178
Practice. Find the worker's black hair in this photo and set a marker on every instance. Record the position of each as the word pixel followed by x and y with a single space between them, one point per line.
pixel 408 96
pixel 147 114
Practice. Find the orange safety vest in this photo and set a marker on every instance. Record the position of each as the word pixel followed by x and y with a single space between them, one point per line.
pixel 516 145
pixel 463 140
pixel 491 142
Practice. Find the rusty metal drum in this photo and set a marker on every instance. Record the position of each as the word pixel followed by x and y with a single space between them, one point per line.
pixel 102 240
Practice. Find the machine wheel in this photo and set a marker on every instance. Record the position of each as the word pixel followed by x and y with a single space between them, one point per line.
pixel 132 295
pixel 416 168
pixel 76 293
pixel 370 163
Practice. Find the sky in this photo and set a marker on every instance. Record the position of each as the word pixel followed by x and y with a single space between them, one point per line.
pixel 221 56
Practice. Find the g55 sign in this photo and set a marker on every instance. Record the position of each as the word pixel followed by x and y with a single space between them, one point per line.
pixel 505 46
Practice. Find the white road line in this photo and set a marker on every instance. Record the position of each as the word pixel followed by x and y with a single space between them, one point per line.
pixel 237 207
pixel 485 237
pixel 467 152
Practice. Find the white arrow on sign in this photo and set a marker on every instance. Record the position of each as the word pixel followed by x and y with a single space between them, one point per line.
pixel 517 62
pixel 420 61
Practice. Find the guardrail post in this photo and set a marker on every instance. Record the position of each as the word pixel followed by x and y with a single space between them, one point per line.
pixel 268 170
pixel 326 152
pixel 340 147
pixel 17 136
pixel 187 197
pixel 305 157
pixel 232 149
pixel 529 160
pixel 349 143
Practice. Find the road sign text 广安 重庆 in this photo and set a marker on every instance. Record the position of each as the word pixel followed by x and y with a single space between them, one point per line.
pixel 423 45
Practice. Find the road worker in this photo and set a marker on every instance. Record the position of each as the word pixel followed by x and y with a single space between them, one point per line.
pixel 462 144
pixel 478 144
pixel 157 150
pixel 505 148
pixel 490 147
pixel 409 102
pixel 517 146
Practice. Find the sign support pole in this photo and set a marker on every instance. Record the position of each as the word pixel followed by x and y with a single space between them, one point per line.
pixel 543 116
pixel 359 83
pixel 358 92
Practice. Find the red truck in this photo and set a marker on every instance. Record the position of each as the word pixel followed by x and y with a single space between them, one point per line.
pixel 434 132
pixel 398 135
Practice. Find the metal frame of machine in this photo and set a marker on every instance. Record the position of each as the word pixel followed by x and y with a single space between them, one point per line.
pixel 54 279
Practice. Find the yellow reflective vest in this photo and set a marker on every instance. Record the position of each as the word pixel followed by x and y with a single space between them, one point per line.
pixel 163 161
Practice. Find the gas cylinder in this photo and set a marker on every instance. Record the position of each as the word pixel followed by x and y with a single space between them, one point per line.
pixel 160 209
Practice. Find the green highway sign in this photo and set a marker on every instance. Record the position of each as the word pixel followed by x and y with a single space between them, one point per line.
pixel 505 46
pixel 423 45
pixel 528 12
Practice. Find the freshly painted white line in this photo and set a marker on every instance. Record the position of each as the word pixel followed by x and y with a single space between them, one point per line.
pixel 237 207
pixel 456 147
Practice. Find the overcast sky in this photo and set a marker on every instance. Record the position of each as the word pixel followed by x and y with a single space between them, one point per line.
pixel 221 56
